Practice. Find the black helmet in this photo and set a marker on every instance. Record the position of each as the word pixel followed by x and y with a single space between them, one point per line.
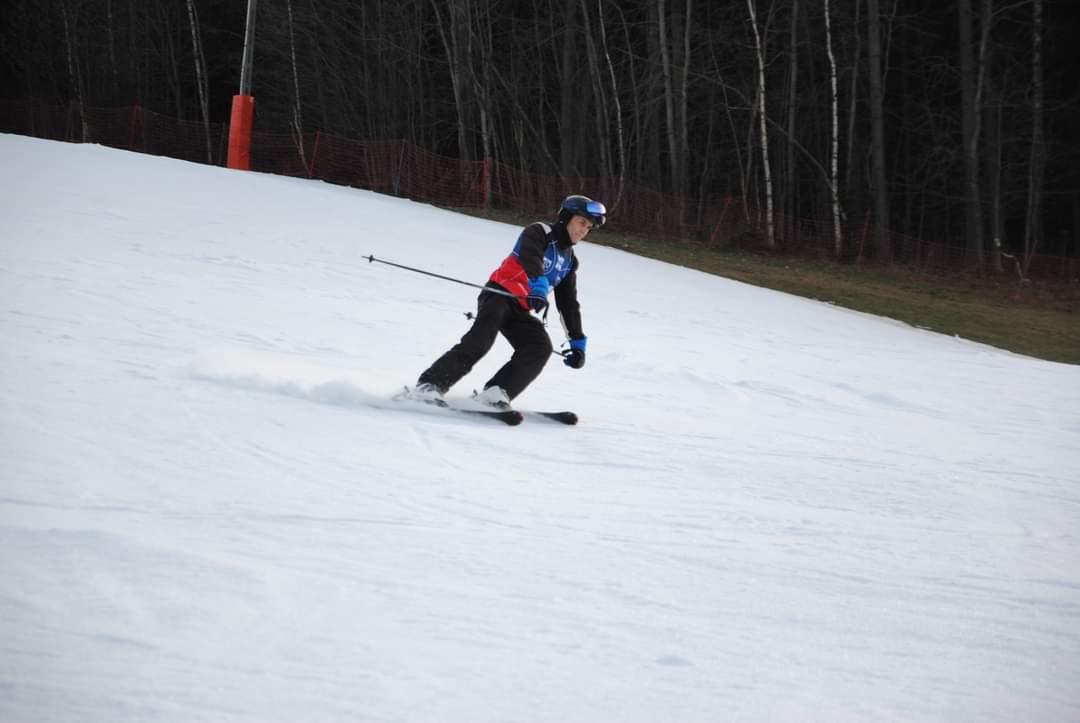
pixel 582 206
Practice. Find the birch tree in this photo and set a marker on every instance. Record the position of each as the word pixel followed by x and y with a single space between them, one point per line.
pixel 763 128
pixel 834 146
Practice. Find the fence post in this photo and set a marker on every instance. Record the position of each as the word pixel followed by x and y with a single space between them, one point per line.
pixel 485 184
pixel 862 240
pixel 67 130
pixel 243 108
pixel 314 155
pixel 223 146
pixel 400 165
pixel 720 221
pixel 131 127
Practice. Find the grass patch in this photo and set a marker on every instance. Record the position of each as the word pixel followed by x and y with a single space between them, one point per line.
pixel 1042 322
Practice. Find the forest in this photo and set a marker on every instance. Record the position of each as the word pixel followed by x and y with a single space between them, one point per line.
pixel 957 121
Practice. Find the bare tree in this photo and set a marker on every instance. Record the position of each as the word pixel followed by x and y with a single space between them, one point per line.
pixel 297 122
pixel 112 44
pixel 569 143
pixel 619 141
pixel 994 164
pixel 1032 228
pixel 200 75
pixel 969 115
pixel 456 38
pixel 877 122
pixel 684 131
pixel 790 184
pixel 74 72
pixel 622 91
pixel 482 91
pixel 852 112
pixel 599 95
pixel 669 100
pixel 770 238
pixel 834 145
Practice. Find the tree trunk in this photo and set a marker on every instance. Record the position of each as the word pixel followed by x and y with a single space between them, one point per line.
pixel 603 141
pixel 171 64
pixel 200 76
pixel 455 41
pixel 74 72
pixel 853 94
pixel 969 113
pixel 993 150
pixel 684 132
pixel 834 147
pixel 790 182
pixel 882 241
pixel 981 86
pixel 112 46
pixel 297 122
pixel 736 145
pixel 669 101
pixel 567 78
pixel 770 238
pixel 482 91
pixel 619 141
pixel 637 112
pixel 1032 225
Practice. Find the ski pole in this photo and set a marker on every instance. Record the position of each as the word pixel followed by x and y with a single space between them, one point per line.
pixel 445 278
pixel 468 315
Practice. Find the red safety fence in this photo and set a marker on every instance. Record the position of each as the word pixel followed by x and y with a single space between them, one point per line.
pixel 401 168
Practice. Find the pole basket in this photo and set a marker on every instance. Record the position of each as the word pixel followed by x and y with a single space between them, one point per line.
pixel 243 110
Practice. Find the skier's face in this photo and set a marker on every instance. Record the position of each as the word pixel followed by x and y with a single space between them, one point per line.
pixel 578 228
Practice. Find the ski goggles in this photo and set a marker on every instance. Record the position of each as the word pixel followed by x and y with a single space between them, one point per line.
pixel 596 212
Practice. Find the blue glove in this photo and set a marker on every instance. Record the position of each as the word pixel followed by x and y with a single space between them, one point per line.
pixel 538 291
pixel 575 358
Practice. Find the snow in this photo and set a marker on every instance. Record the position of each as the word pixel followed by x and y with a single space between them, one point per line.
pixel 773 509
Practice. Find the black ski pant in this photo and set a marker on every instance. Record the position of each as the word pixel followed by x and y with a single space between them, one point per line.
pixel 496 314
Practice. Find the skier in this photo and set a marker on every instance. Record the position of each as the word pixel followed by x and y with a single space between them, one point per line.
pixel 543 258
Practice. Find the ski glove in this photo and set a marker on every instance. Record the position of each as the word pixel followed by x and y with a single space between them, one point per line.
pixel 538 291
pixel 575 358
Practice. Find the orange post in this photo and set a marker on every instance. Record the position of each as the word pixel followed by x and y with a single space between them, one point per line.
pixel 243 110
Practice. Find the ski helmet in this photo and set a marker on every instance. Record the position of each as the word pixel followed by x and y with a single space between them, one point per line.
pixel 582 206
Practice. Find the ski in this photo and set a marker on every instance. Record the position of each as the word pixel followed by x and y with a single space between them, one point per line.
pixel 509 417
pixel 504 405
pixel 506 415
pixel 560 417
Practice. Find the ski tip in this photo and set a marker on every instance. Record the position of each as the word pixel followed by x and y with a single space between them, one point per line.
pixel 561 417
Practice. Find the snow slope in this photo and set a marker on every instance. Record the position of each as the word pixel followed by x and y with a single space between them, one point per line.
pixel 774 509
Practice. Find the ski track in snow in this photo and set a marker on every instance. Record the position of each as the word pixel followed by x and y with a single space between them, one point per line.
pixel 773 509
